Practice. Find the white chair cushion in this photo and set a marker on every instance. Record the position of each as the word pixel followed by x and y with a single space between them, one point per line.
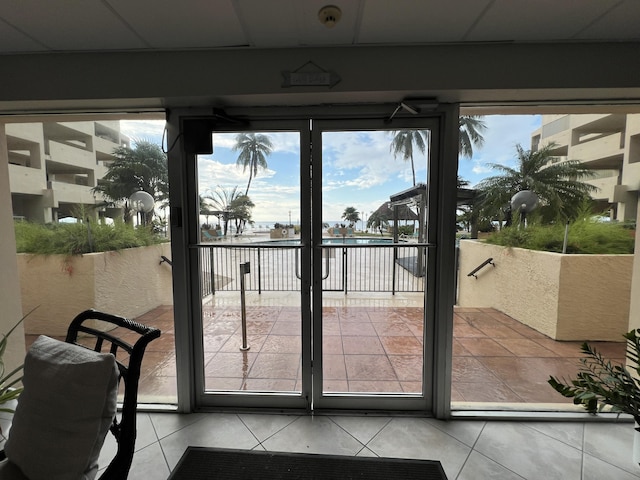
pixel 64 413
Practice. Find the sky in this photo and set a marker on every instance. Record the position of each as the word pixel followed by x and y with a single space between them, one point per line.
pixel 359 170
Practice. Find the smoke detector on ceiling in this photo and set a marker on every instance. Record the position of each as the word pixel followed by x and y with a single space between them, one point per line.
pixel 329 15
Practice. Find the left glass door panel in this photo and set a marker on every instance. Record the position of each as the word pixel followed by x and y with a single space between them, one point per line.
pixel 250 266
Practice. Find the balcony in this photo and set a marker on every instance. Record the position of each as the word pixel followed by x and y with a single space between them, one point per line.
pixel 26 180
pixel 604 148
pixel 104 145
pixel 71 193
pixel 68 155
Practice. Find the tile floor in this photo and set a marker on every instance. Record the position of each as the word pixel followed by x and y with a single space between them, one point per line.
pixel 496 359
pixel 468 449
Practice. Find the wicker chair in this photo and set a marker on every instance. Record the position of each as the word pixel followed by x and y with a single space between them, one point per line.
pixel 129 354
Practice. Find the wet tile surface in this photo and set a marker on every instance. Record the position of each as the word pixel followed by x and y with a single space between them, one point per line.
pixel 495 358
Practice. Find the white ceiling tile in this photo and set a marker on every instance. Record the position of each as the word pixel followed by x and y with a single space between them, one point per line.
pixel 418 21
pixel 184 24
pixel 279 23
pixel 71 25
pixel 621 22
pixel 12 41
pixel 540 20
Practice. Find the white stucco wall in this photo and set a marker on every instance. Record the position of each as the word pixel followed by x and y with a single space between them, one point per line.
pixel 9 287
pixel 129 283
pixel 566 297
pixel 634 307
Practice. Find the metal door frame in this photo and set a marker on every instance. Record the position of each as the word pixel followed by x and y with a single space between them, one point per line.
pixel 374 401
pixel 439 294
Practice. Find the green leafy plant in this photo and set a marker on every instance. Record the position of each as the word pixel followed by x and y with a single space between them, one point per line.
pixel 601 383
pixel 80 238
pixel 585 237
pixel 7 390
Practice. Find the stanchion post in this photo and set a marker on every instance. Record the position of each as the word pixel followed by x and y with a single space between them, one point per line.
pixel 244 269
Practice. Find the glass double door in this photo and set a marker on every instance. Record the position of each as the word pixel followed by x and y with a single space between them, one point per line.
pixel 311 264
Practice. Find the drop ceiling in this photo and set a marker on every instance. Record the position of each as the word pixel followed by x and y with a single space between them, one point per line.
pixel 30 26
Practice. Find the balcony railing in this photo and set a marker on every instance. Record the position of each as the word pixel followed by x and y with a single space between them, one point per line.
pixel 345 268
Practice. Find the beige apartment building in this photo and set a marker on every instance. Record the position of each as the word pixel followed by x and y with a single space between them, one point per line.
pixel 608 143
pixel 54 165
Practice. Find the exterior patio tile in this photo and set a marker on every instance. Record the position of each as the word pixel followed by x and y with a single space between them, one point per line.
pixel 269 385
pixel 490 392
pixel 285 328
pixel 275 365
pixel 484 347
pixel 499 331
pixel 401 345
pixel 523 347
pixel 332 344
pixel 368 367
pixel 378 386
pixel 357 328
pixel 282 344
pixel 462 330
pixel 471 370
pixel 407 367
pixel 495 358
pixel 392 329
pixel 230 364
pixel 459 350
pixel 353 345
pixel 333 367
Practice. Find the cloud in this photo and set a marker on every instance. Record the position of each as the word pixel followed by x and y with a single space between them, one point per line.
pixel 282 142
pixel 502 135
pixel 364 157
pixel 151 130
pixel 212 173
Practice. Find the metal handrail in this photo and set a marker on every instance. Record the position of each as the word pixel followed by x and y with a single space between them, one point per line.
pixel 488 261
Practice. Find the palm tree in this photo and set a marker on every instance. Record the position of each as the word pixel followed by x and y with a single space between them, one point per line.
pixel 205 209
pixel 470 135
pixel 378 220
pixel 143 167
pixel 351 215
pixel 403 144
pixel 232 205
pixel 221 201
pixel 558 184
pixel 254 149
pixel 241 211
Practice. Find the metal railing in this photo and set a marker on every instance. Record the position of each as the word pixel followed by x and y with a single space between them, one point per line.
pixel 346 268
pixel 488 261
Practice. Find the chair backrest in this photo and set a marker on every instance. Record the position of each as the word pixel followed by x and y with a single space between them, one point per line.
pixel 84 331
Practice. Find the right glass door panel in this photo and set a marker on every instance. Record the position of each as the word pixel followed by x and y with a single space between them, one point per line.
pixel 370 262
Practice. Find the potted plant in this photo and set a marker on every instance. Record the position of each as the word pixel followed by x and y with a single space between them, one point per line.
pixel 601 383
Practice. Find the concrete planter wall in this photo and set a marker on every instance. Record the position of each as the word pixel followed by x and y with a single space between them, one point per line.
pixel 128 282
pixel 566 297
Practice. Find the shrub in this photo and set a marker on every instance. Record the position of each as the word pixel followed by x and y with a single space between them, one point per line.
pixel 405 230
pixel 79 238
pixel 585 236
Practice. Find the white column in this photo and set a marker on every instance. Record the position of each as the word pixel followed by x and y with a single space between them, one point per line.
pixel 634 304
pixel 9 279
